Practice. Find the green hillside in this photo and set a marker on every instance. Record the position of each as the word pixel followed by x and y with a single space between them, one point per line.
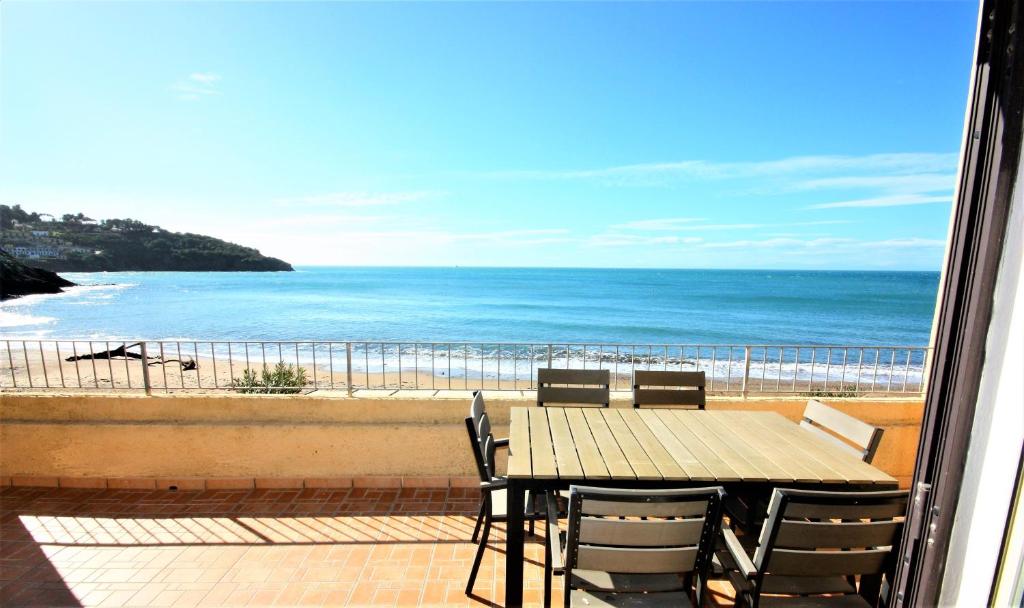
pixel 76 243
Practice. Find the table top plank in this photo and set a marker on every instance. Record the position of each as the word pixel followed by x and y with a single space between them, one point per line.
pixel 851 469
pixel 643 467
pixel 680 452
pixel 727 433
pixel 566 457
pixel 586 446
pixel 793 463
pixel 700 424
pixel 667 465
pixel 611 452
pixel 678 422
pixel 542 452
pixel 821 460
pixel 519 462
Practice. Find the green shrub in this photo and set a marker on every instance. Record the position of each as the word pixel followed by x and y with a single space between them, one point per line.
pixel 281 380
pixel 849 390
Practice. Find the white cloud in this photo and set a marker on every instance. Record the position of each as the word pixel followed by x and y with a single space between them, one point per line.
pixel 917 182
pixel 887 180
pixel 632 240
pixel 197 86
pixel 359 199
pixel 207 78
pixel 511 234
pixel 897 163
pixel 690 224
pixel 312 221
pixel 895 200
pixel 911 242
pixel 832 243
pixel 670 223
pixel 443 236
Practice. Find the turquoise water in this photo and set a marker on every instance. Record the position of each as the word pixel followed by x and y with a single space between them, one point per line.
pixel 489 305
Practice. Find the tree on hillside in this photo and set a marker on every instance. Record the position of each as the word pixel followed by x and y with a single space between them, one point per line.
pixel 9 215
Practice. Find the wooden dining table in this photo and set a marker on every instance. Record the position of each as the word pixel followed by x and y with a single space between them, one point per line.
pixel 551 448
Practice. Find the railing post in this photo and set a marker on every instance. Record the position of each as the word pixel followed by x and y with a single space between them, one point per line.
pixel 145 369
pixel 549 356
pixel 348 367
pixel 746 369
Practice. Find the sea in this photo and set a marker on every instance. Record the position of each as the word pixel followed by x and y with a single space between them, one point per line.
pixel 536 305
pixel 504 323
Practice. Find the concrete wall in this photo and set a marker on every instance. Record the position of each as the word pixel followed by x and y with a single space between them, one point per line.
pixel 287 441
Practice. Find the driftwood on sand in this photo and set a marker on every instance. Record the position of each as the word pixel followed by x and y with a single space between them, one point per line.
pixel 122 352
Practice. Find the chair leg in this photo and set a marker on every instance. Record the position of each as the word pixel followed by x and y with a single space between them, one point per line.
pixel 479 554
pixel 531 499
pixel 547 571
pixel 479 521
pixel 742 601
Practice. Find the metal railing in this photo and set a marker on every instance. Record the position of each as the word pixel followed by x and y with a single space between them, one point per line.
pixel 249 366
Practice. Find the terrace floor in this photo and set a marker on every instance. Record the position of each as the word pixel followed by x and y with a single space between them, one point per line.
pixel 354 547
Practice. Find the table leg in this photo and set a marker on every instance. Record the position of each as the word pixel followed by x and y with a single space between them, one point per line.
pixel 514 546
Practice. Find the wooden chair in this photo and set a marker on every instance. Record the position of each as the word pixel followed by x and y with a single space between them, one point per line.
pixel 747 511
pixel 481 427
pixel 674 389
pixel 813 545
pixel 864 437
pixel 493 500
pixel 633 547
pixel 573 387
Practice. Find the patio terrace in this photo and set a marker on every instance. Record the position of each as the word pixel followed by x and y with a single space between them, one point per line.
pixel 287 501
pixel 260 547
pixel 354 547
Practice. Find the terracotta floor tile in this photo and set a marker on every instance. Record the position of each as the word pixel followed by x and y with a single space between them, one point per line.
pixel 256 547
pixel 264 597
pixel 290 595
pixel 362 594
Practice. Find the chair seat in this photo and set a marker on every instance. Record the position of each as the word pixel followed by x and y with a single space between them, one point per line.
pixel 598 580
pixel 499 504
pixel 602 599
pixel 795 585
pixel 804 585
pixel 499 507
pixel 835 601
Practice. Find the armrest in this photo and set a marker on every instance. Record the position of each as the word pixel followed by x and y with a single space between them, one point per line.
pixel 494 484
pixel 739 556
pixel 554 535
pixel 501 443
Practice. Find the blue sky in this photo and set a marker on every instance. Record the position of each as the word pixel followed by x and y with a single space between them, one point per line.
pixel 710 135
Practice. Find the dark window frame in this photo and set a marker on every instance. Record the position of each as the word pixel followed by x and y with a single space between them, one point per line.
pixel 988 175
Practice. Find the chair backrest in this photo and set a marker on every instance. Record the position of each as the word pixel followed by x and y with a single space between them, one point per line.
pixel 668 388
pixel 573 387
pixel 676 534
pixel 487 448
pixel 865 437
pixel 478 428
pixel 476 407
pixel 481 421
pixel 822 534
